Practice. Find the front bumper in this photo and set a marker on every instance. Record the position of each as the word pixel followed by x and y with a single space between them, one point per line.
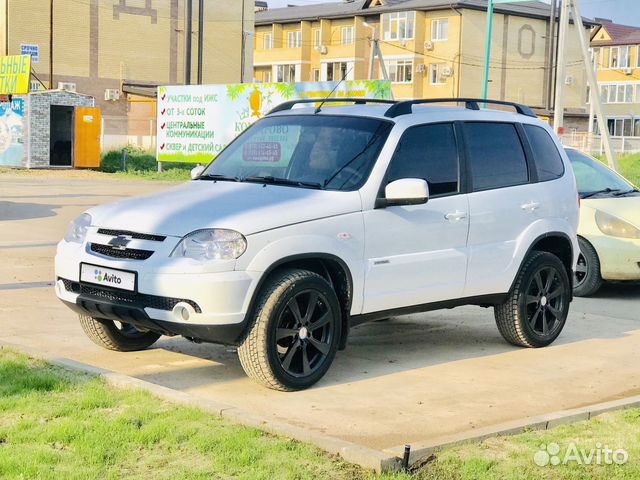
pixel 173 297
pixel 619 257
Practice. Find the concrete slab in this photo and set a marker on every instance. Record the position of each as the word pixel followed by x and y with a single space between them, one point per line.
pixel 420 379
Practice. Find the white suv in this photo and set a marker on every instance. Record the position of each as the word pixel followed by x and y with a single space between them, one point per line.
pixel 317 219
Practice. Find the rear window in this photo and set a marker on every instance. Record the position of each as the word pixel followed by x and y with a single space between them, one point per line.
pixel 495 155
pixel 548 161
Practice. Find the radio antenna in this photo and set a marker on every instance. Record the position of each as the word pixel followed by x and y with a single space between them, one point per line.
pixel 332 91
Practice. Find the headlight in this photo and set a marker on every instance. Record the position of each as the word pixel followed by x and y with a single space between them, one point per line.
pixel 214 244
pixel 77 229
pixel 616 227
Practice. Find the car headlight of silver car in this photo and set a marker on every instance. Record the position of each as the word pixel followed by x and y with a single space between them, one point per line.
pixel 211 244
pixel 77 229
pixel 616 227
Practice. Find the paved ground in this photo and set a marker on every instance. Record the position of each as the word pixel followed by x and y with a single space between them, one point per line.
pixel 407 380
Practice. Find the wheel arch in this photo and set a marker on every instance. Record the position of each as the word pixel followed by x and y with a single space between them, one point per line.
pixel 331 267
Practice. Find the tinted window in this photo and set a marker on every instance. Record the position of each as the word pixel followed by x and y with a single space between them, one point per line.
pixel 592 176
pixel 429 152
pixel 548 160
pixel 495 155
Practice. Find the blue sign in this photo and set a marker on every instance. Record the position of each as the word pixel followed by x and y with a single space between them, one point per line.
pixel 33 50
pixel 12 133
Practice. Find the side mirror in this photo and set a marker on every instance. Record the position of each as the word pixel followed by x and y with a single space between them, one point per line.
pixel 406 191
pixel 196 171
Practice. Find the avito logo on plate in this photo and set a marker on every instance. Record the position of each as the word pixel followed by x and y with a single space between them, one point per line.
pixel 104 277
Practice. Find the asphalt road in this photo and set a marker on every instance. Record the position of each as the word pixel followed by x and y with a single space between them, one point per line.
pixel 412 379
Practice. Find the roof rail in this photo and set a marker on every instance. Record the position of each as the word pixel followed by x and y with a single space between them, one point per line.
pixel 404 107
pixel 358 101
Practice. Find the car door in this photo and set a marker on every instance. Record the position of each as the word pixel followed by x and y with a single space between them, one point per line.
pixel 503 203
pixel 416 254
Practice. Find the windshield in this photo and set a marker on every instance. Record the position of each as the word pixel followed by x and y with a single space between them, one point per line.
pixel 592 176
pixel 311 151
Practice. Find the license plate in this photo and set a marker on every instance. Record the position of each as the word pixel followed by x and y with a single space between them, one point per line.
pixel 107 277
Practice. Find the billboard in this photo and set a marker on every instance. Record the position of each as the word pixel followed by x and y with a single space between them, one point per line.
pixel 11 133
pixel 195 122
pixel 15 74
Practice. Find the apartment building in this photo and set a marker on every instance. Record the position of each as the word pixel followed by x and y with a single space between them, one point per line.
pixel 431 48
pixel 118 51
pixel 616 53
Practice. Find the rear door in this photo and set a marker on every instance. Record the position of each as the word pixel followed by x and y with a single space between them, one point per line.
pixel 88 128
pixel 503 203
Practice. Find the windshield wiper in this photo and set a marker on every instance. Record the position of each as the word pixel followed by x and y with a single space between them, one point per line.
pixel 218 177
pixel 281 181
pixel 597 192
pixel 626 192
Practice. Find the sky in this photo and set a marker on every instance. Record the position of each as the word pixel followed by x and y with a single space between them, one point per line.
pixel 620 11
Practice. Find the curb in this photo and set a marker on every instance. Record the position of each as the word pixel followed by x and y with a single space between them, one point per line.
pixel 353 453
pixel 380 461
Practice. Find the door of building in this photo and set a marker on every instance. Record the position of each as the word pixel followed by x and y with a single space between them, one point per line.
pixel 88 126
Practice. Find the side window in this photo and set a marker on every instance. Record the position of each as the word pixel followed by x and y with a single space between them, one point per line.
pixel 495 155
pixel 549 164
pixel 429 152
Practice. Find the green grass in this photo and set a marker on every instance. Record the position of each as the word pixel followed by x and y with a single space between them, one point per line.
pixel 56 424
pixel 142 165
pixel 629 166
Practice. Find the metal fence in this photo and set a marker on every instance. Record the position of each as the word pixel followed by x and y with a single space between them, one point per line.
pixel 593 144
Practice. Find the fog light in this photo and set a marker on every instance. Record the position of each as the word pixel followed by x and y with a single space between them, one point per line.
pixel 183 311
pixel 59 288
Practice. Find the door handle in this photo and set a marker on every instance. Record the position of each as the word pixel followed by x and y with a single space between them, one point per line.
pixel 455 216
pixel 531 206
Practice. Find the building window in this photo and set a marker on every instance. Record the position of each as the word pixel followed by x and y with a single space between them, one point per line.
pixel 268 41
pixel 315 75
pixel 400 71
pixel 286 73
pixel 595 57
pixel 436 76
pixel 336 71
pixel 398 26
pixel 439 30
pixel 294 39
pixel 619 57
pixel 317 40
pixel 347 35
pixel 618 93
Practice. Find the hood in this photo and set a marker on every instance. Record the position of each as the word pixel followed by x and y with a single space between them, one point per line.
pixel 625 208
pixel 245 207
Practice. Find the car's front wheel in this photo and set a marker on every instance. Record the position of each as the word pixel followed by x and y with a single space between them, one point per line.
pixel 537 306
pixel 587 277
pixel 121 337
pixel 294 331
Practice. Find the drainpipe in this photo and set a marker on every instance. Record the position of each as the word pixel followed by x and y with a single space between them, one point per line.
pixel 459 55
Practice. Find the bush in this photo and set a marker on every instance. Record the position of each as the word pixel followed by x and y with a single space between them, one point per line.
pixel 137 160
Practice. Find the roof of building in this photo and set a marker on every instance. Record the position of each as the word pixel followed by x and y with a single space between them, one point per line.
pixel 350 8
pixel 619 34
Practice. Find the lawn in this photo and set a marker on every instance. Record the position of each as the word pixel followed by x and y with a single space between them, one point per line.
pixel 630 167
pixel 59 424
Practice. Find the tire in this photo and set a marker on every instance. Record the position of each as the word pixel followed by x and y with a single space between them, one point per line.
pixel 288 347
pixel 536 309
pixel 126 338
pixel 587 278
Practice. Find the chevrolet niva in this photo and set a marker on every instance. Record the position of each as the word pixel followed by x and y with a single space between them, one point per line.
pixel 317 219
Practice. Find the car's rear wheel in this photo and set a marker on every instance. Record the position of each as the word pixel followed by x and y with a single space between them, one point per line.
pixel 294 331
pixel 121 337
pixel 537 306
pixel 587 277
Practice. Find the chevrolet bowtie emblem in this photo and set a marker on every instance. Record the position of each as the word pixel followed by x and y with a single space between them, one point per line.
pixel 120 242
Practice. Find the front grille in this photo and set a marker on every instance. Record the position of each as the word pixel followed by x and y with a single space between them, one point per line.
pixel 128 253
pixel 136 235
pixel 133 298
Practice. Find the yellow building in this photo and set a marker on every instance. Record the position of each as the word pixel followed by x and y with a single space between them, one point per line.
pixel 115 50
pixel 616 52
pixel 431 48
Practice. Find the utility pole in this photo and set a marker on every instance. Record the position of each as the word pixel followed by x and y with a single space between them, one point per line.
pixel 558 109
pixel 200 39
pixel 487 50
pixel 188 32
pixel 376 52
pixel 51 45
pixel 242 44
pixel 593 84
pixel 551 55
